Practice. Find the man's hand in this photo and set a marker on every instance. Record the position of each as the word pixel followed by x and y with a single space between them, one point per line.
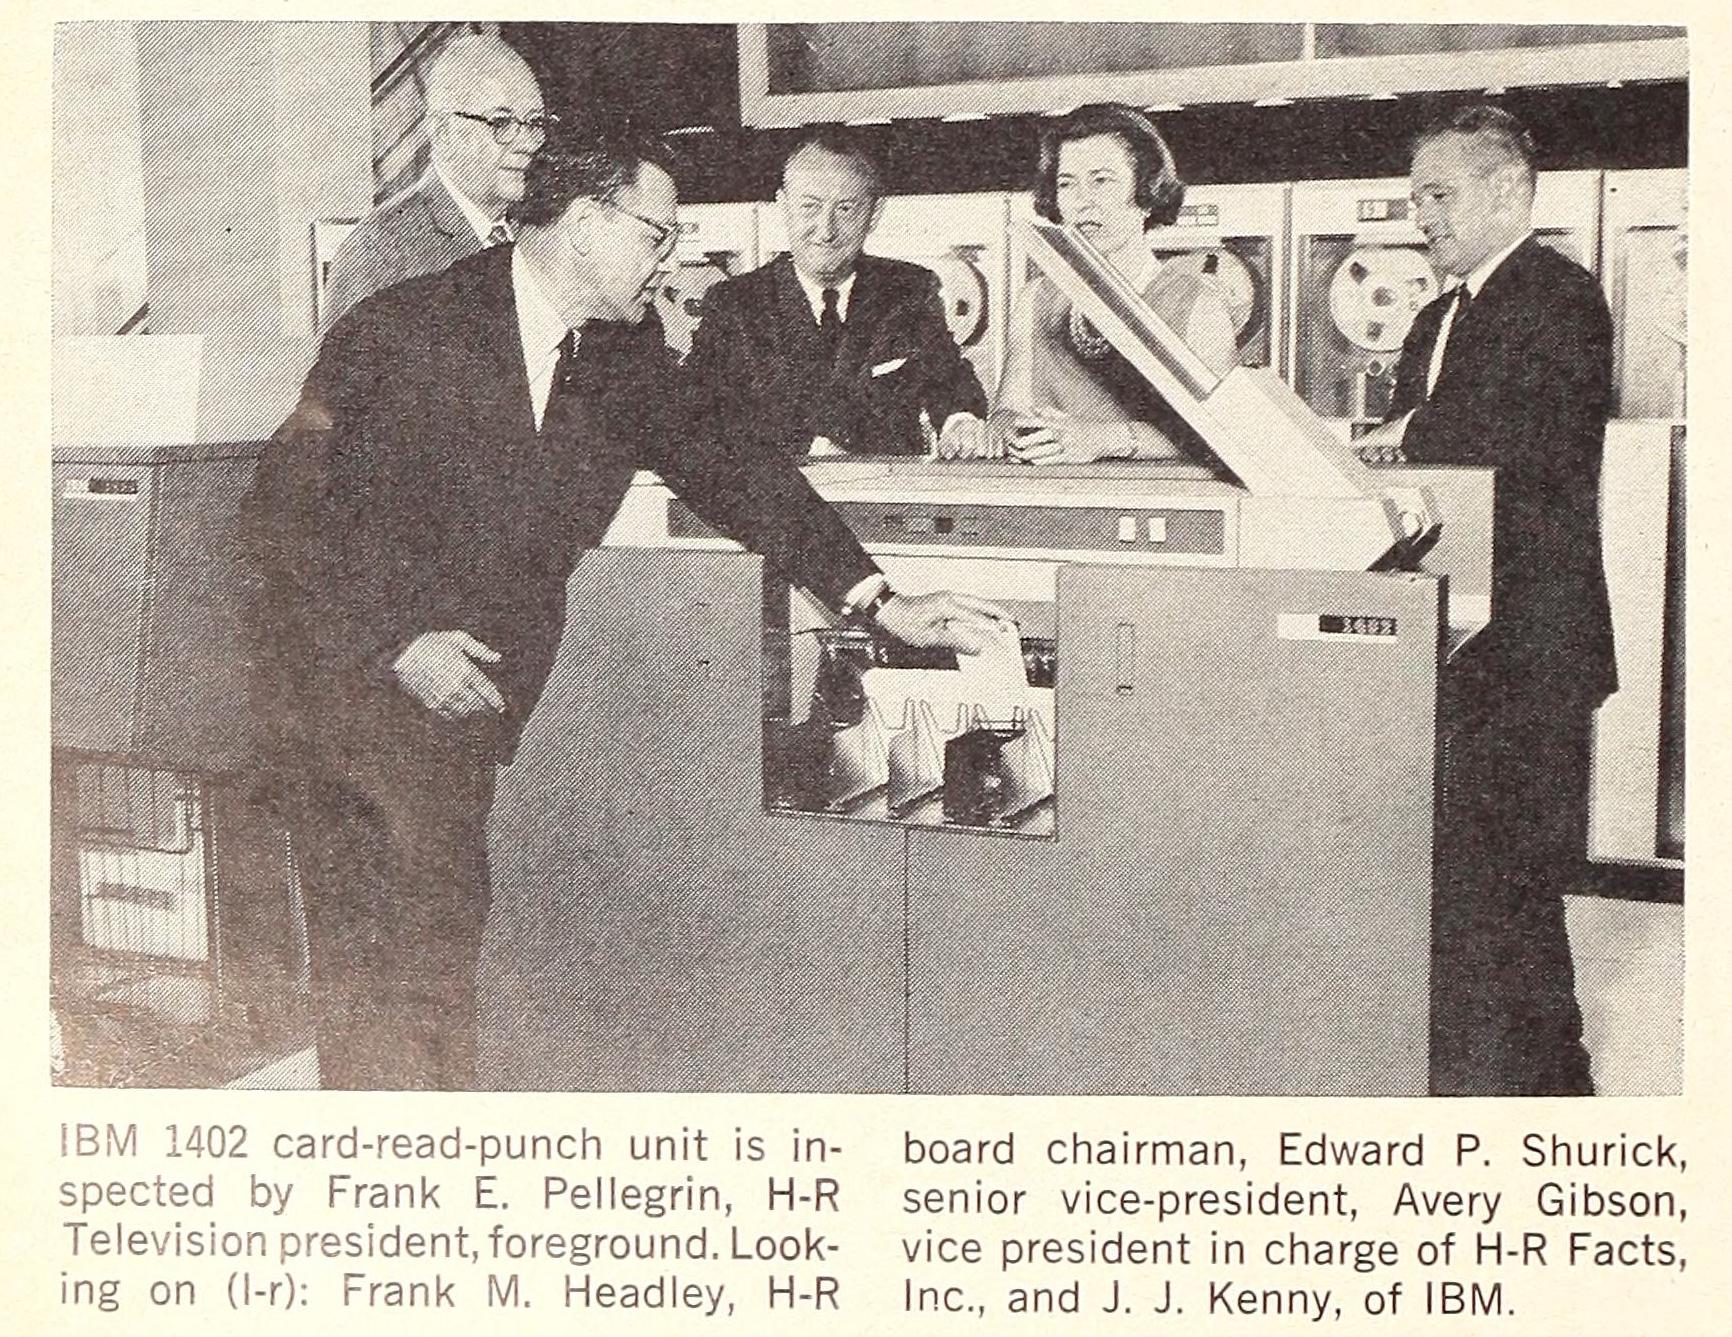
pixel 1383 443
pixel 442 670
pixel 943 621
pixel 965 437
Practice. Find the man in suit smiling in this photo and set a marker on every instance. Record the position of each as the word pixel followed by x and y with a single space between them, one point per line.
pixel 827 349
pixel 462 439
pixel 1511 368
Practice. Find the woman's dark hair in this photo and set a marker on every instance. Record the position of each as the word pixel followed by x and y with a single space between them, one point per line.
pixel 1158 192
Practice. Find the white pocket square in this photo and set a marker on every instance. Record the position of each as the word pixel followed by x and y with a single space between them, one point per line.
pixel 885 368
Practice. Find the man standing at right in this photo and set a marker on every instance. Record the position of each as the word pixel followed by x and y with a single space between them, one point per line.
pixel 1511 368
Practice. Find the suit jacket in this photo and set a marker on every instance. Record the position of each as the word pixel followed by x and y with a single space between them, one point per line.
pixel 1526 388
pixel 417 232
pixel 759 363
pixel 410 492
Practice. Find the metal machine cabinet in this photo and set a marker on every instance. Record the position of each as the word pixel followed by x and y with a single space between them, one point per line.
pixel 1238 896
pixel 654 927
pixel 147 659
pixel 1643 265
pixel 1183 836
pixel 177 955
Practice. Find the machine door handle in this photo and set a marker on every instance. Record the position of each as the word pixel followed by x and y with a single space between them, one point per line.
pixel 1124 658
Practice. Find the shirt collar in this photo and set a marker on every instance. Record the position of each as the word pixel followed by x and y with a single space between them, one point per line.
pixel 1487 267
pixel 815 293
pixel 482 224
pixel 542 328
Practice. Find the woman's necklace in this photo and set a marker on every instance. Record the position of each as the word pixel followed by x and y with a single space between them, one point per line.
pixel 1088 343
pixel 1085 340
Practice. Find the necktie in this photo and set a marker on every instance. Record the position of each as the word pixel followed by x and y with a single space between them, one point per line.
pixel 830 321
pixel 500 234
pixel 560 388
pixel 1445 334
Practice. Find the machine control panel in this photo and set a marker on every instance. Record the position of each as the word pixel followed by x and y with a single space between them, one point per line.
pixel 1187 531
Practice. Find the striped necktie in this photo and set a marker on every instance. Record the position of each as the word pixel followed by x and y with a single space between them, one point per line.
pixel 501 234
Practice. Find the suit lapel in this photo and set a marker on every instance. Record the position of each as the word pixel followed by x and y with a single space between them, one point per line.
pixel 446 214
pixel 858 328
pixel 1474 335
pixel 794 327
pixel 1416 358
pixel 485 314
pixel 1503 278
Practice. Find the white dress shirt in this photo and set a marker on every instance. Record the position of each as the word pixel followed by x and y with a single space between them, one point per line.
pixel 1474 281
pixel 542 330
pixel 815 293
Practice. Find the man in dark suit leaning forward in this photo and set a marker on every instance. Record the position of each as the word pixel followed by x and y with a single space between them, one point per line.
pixel 461 440
pixel 1511 368
pixel 827 349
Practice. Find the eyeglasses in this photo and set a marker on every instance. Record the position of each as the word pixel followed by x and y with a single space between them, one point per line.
pixel 666 237
pixel 506 127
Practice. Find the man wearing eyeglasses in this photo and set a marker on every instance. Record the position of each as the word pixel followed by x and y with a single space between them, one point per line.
pixel 461 440
pixel 828 349
pixel 485 121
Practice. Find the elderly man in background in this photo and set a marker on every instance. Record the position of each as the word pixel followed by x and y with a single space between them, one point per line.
pixel 485 120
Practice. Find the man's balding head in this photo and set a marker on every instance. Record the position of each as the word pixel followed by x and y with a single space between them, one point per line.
pixel 473 80
pixel 1473 186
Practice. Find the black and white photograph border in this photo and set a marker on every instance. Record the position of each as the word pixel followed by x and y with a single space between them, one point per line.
pixel 1275 701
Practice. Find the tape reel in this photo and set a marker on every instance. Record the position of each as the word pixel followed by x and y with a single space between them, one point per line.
pixel 1240 288
pixel 680 299
pixel 1376 292
pixel 962 290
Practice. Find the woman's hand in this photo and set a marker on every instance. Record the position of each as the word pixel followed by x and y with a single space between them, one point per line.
pixel 1054 437
pixel 1000 433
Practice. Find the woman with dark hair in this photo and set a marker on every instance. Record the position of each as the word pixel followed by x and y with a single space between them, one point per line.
pixel 1066 395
